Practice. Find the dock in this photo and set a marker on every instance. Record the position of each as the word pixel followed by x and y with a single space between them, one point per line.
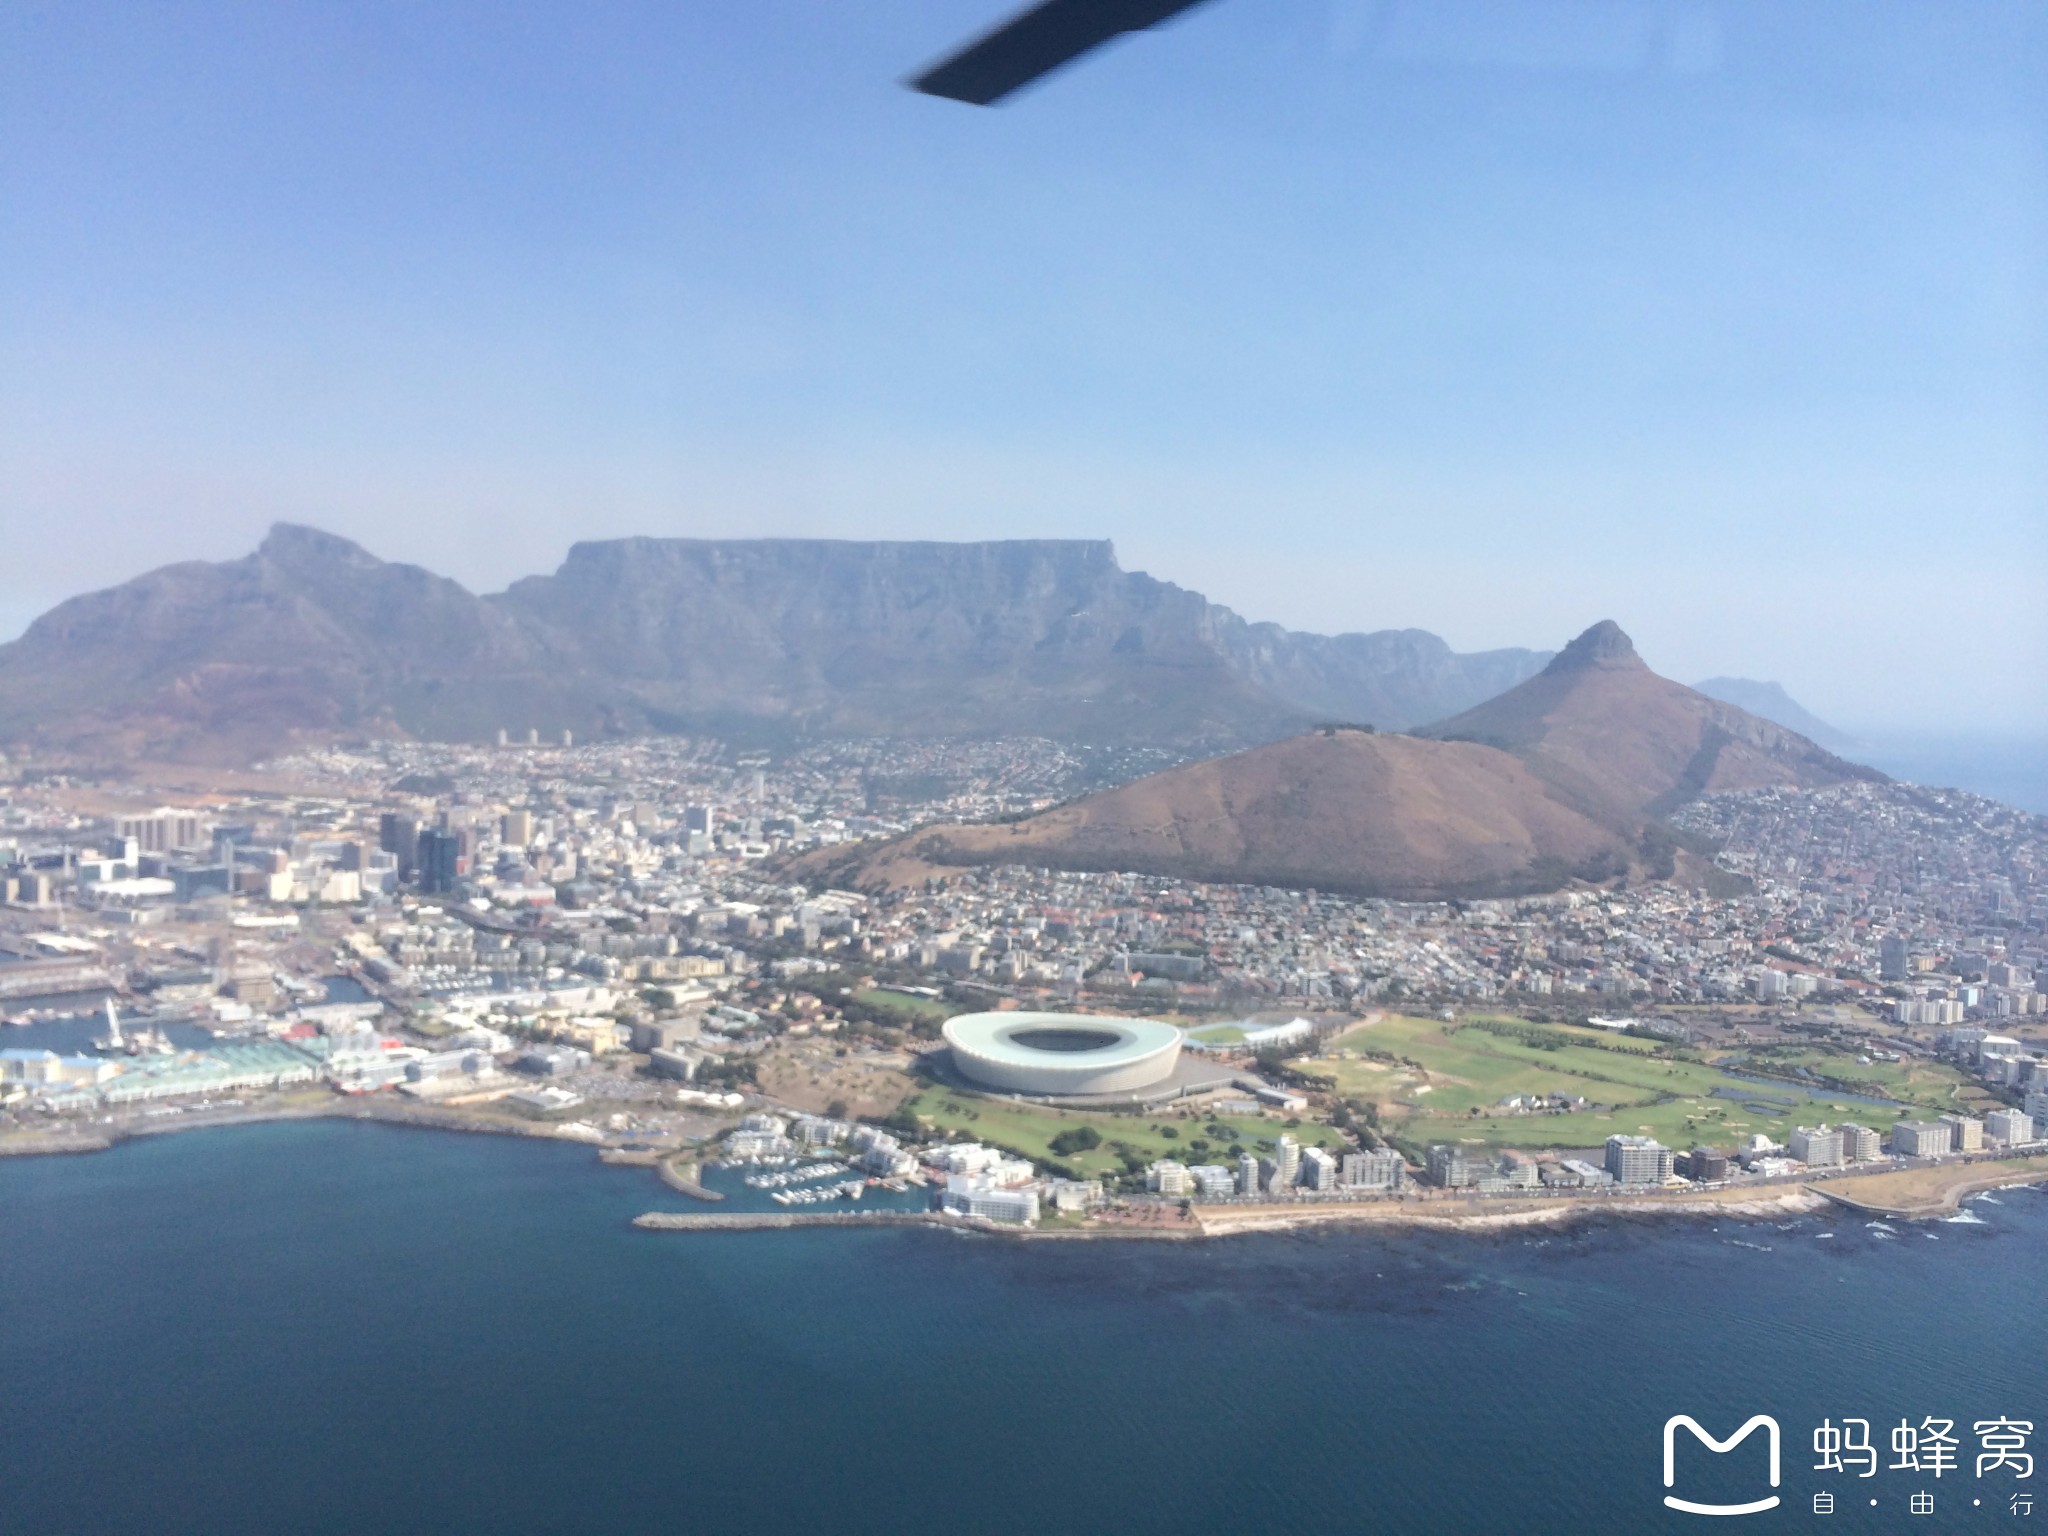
pixel 764 1221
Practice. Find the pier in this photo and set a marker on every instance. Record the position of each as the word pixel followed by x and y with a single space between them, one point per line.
pixel 762 1221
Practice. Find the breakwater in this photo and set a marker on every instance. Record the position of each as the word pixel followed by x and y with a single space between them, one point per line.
pixel 760 1221
pixel 682 1178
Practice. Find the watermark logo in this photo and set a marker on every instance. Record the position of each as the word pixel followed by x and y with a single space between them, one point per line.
pixel 1720 1447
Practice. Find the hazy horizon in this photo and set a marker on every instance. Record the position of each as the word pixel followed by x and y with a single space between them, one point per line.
pixel 1722 320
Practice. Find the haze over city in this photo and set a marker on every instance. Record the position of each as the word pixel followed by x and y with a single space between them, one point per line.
pixel 1492 319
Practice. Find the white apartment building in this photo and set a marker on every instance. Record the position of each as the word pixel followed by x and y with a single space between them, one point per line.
pixel 2009 1127
pixel 1967 1133
pixel 1382 1169
pixel 1318 1169
pixel 1818 1146
pixel 1638 1160
pixel 1169 1178
pixel 1860 1144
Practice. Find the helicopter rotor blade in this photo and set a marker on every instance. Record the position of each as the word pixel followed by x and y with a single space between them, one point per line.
pixel 1035 42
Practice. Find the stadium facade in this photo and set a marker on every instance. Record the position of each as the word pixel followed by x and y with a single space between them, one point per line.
pixel 1057 1055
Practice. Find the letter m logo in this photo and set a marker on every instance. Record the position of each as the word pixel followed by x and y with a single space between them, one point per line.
pixel 1763 1420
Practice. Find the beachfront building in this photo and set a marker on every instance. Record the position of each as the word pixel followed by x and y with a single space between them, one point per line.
pixel 1448 1169
pixel 1318 1170
pixel 1818 1146
pixel 1922 1138
pixel 1169 1178
pixel 1638 1160
pixel 1967 1133
pixel 1071 1196
pixel 1286 1163
pixel 2009 1127
pixel 1574 1173
pixel 978 1194
pixel 1213 1181
pixel 1381 1169
pixel 1860 1144
pixel 1703 1164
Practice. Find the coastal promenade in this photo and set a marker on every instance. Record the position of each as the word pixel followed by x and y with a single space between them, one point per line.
pixel 1936 1189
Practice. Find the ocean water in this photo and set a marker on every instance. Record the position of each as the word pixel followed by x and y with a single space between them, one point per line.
pixel 2012 769
pixel 342 1327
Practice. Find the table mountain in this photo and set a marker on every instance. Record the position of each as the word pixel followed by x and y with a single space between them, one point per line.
pixel 310 637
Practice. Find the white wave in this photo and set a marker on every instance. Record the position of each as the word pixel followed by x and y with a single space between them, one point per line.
pixel 1967 1219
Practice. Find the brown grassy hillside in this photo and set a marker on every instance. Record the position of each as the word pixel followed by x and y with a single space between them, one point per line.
pixel 1565 776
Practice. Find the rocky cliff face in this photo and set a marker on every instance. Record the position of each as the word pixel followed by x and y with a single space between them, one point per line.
pixel 312 635
pixel 1048 636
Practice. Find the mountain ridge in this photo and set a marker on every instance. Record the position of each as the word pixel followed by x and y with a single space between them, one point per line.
pixel 310 637
pixel 1773 703
pixel 1566 776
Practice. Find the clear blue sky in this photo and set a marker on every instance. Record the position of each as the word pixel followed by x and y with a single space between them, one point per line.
pixel 1727 321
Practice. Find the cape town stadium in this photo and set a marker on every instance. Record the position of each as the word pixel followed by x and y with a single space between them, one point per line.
pixel 1062 1053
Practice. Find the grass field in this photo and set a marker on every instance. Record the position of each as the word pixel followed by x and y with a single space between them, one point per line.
pixel 1217 1034
pixel 911 1009
pixel 1030 1128
pixel 1931 1083
pixel 1448 1081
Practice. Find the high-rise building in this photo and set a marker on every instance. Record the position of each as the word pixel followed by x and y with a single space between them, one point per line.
pixel 1170 1178
pixel 1447 1167
pixel 1379 1169
pixel 440 861
pixel 1922 1138
pixel 1967 1133
pixel 1638 1160
pixel 1247 1174
pixel 1860 1144
pixel 1212 1181
pixel 1892 959
pixel 2009 1127
pixel 697 818
pixel 2037 1105
pixel 1705 1164
pixel 518 829
pixel 1318 1169
pixel 399 836
pixel 1286 1163
pixel 163 831
pixel 1818 1146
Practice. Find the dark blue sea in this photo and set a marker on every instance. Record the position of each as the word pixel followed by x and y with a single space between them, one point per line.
pixel 342 1327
